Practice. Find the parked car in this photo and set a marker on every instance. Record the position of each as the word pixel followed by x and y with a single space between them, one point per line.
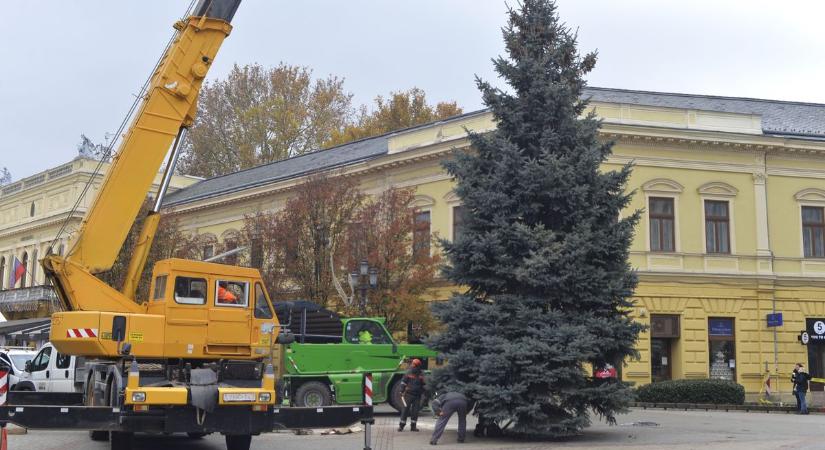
pixel 16 359
pixel 51 371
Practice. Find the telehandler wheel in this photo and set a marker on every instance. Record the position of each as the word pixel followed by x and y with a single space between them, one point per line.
pixel 238 441
pixel 313 394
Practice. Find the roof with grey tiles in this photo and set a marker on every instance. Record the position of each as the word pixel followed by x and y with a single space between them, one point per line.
pixel 340 156
pixel 778 117
pixel 806 120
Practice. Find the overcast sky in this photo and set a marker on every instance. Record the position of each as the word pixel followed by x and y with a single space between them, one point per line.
pixel 72 67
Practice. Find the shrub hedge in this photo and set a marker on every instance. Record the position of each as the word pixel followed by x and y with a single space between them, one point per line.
pixel 692 391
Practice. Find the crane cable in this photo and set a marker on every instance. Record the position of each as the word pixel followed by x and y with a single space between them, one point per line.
pixel 108 152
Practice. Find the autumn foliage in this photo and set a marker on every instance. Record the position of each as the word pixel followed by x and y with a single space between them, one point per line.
pixel 318 238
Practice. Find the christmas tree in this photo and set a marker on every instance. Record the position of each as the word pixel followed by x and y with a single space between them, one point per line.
pixel 543 251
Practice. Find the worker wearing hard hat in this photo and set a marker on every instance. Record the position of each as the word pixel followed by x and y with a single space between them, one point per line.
pixel 412 389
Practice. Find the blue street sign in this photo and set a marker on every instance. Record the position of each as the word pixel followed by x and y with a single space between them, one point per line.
pixel 775 320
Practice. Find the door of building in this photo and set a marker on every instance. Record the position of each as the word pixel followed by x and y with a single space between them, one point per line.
pixel 664 331
pixel 660 359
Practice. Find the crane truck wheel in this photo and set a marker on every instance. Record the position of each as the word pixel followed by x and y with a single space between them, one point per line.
pixel 395 396
pixel 95 435
pixel 119 440
pixel 238 441
pixel 313 394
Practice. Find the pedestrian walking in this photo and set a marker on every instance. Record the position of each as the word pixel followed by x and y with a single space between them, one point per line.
pixel 801 387
pixel 444 406
pixel 412 389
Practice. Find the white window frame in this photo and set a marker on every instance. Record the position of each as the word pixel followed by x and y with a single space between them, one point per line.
pixel 731 225
pixel 233 305
pixel 811 197
pixel 663 188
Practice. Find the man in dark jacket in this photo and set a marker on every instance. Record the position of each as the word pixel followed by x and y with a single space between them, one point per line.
pixel 444 406
pixel 801 387
pixel 412 389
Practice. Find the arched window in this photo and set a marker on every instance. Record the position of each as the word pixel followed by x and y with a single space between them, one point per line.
pixel 2 272
pixel 34 268
pixel 31 210
pixel 25 262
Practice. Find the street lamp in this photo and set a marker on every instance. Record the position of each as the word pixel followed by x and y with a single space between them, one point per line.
pixel 363 279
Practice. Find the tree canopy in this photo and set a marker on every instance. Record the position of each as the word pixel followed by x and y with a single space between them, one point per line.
pixel 544 252
pixel 259 115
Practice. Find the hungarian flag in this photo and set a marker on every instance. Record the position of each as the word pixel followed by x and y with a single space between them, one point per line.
pixel 17 272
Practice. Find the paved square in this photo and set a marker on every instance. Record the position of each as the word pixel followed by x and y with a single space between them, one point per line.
pixel 641 429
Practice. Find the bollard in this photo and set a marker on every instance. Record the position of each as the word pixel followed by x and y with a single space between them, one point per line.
pixel 368 421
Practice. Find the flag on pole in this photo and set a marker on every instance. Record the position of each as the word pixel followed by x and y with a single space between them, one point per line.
pixel 17 272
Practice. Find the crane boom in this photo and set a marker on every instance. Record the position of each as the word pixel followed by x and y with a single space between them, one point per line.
pixel 169 104
pixel 168 107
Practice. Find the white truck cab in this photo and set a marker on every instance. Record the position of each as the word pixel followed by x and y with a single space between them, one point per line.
pixel 51 371
pixel 16 359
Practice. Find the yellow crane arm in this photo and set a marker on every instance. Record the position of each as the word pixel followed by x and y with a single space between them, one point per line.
pixel 169 104
pixel 168 107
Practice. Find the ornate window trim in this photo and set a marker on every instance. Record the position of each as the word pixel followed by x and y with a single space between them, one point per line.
pixel 717 189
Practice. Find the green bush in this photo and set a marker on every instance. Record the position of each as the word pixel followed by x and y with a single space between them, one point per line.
pixel 692 391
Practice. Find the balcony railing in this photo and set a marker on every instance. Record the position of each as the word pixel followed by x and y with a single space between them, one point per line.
pixel 27 299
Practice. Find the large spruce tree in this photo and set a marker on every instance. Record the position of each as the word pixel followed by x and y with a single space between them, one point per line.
pixel 544 251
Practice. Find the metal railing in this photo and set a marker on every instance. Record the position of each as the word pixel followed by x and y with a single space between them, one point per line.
pixel 27 299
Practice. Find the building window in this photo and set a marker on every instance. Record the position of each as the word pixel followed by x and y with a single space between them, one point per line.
pixel 717 226
pixel 722 348
pixel 662 220
pixel 813 229
pixel 421 234
pixel 31 210
pixel 208 251
pixel 459 221
pixel 2 271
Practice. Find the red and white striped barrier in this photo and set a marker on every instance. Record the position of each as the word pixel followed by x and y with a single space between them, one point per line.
pixel 4 390
pixel 368 389
pixel 369 420
pixel 81 332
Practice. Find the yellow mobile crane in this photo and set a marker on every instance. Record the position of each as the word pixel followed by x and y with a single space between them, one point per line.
pixel 194 357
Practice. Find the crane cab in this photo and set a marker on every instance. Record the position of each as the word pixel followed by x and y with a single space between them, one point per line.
pixel 195 310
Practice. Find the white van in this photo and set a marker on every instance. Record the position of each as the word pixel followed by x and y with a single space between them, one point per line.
pixel 51 371
pixel 16 359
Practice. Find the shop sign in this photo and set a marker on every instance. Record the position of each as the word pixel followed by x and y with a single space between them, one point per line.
pixel 775 320
pixel 720 327
pixel 815 328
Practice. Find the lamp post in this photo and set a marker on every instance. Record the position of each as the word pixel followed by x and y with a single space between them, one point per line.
pixel 363 279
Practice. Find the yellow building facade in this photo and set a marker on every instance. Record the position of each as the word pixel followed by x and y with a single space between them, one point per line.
pixel 33 210
pixel 732 192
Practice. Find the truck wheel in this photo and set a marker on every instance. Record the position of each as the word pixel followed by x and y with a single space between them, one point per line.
pixel 122 440
pixel 95 435
pixel 119 440
pixel 313 394
pixel 395 396
pixel 238 441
